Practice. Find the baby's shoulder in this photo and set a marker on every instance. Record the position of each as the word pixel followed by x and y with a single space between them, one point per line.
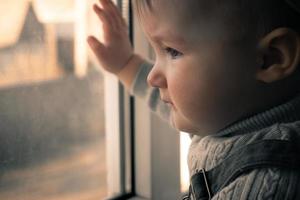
pixel 289 131
pixel 280 131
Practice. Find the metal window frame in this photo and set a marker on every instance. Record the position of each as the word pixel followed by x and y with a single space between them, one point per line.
pixel 119 140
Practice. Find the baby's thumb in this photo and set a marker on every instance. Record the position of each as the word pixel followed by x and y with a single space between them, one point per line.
pixel 96 46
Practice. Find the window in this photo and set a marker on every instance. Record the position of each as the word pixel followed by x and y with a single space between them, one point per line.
pixel 68 131
pixel 54 137
pixel 185 142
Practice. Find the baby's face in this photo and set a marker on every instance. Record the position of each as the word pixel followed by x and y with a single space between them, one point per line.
pixel 207 79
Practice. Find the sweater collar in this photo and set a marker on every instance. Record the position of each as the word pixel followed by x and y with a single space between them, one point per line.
pixel 284 113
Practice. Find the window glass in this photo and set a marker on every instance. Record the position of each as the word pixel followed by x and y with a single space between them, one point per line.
pixel 52 136
pixel 185 142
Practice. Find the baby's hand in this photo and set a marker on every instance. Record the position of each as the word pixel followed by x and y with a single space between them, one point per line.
pixel 116 50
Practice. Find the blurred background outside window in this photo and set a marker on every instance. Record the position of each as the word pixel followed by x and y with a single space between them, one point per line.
pixel 52 135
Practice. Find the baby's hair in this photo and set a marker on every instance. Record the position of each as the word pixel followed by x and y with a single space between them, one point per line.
pixel 278 13
pixel 263 15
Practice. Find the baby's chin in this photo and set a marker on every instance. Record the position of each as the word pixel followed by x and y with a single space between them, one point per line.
pixel 183 125
pixel 186 126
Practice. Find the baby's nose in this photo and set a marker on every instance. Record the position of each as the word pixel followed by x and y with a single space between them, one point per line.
pixel 156 78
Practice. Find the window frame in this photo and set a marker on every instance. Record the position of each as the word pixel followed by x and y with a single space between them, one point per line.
pixel 119 139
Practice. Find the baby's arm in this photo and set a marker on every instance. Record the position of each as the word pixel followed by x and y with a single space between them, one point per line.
pixel 116 56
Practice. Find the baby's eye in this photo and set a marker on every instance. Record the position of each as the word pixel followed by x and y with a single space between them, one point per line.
pixel 173 53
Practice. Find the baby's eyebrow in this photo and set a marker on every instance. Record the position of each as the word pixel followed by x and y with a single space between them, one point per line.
pixel 169 37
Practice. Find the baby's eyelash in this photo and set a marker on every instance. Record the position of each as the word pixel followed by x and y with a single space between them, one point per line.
pixel 173 52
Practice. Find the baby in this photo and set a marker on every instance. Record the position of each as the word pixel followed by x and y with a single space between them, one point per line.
pixel 225 71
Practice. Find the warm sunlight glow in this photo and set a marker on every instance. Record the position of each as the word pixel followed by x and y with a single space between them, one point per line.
pixel 53 122
pixel 184 171
pixel 15 11
pixel 54 11
pixel 80 38
pixel 94 27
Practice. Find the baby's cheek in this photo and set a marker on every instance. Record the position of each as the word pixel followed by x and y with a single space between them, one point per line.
pixel 189 94
pixel 188 103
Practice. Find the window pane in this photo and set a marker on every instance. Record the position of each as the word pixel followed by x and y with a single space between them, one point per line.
pixel 52 136
pixel 185 142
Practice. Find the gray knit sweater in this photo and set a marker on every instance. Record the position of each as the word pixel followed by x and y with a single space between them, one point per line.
pixel 281 122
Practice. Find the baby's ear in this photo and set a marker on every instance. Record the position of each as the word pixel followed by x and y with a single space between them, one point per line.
pixel 280 55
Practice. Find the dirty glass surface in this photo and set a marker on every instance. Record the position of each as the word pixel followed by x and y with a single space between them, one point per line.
pixel 52 139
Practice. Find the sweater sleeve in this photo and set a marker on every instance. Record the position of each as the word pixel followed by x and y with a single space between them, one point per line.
pixel 150 95
pixel 262 184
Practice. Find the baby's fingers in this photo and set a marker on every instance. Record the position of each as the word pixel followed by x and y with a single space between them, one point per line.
pixel 106 21
pixel 110 10
pixel 97 47
pixel 115 12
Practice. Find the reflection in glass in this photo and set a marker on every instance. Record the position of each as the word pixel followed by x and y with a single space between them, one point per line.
pixel 185 142
pixel 52 141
